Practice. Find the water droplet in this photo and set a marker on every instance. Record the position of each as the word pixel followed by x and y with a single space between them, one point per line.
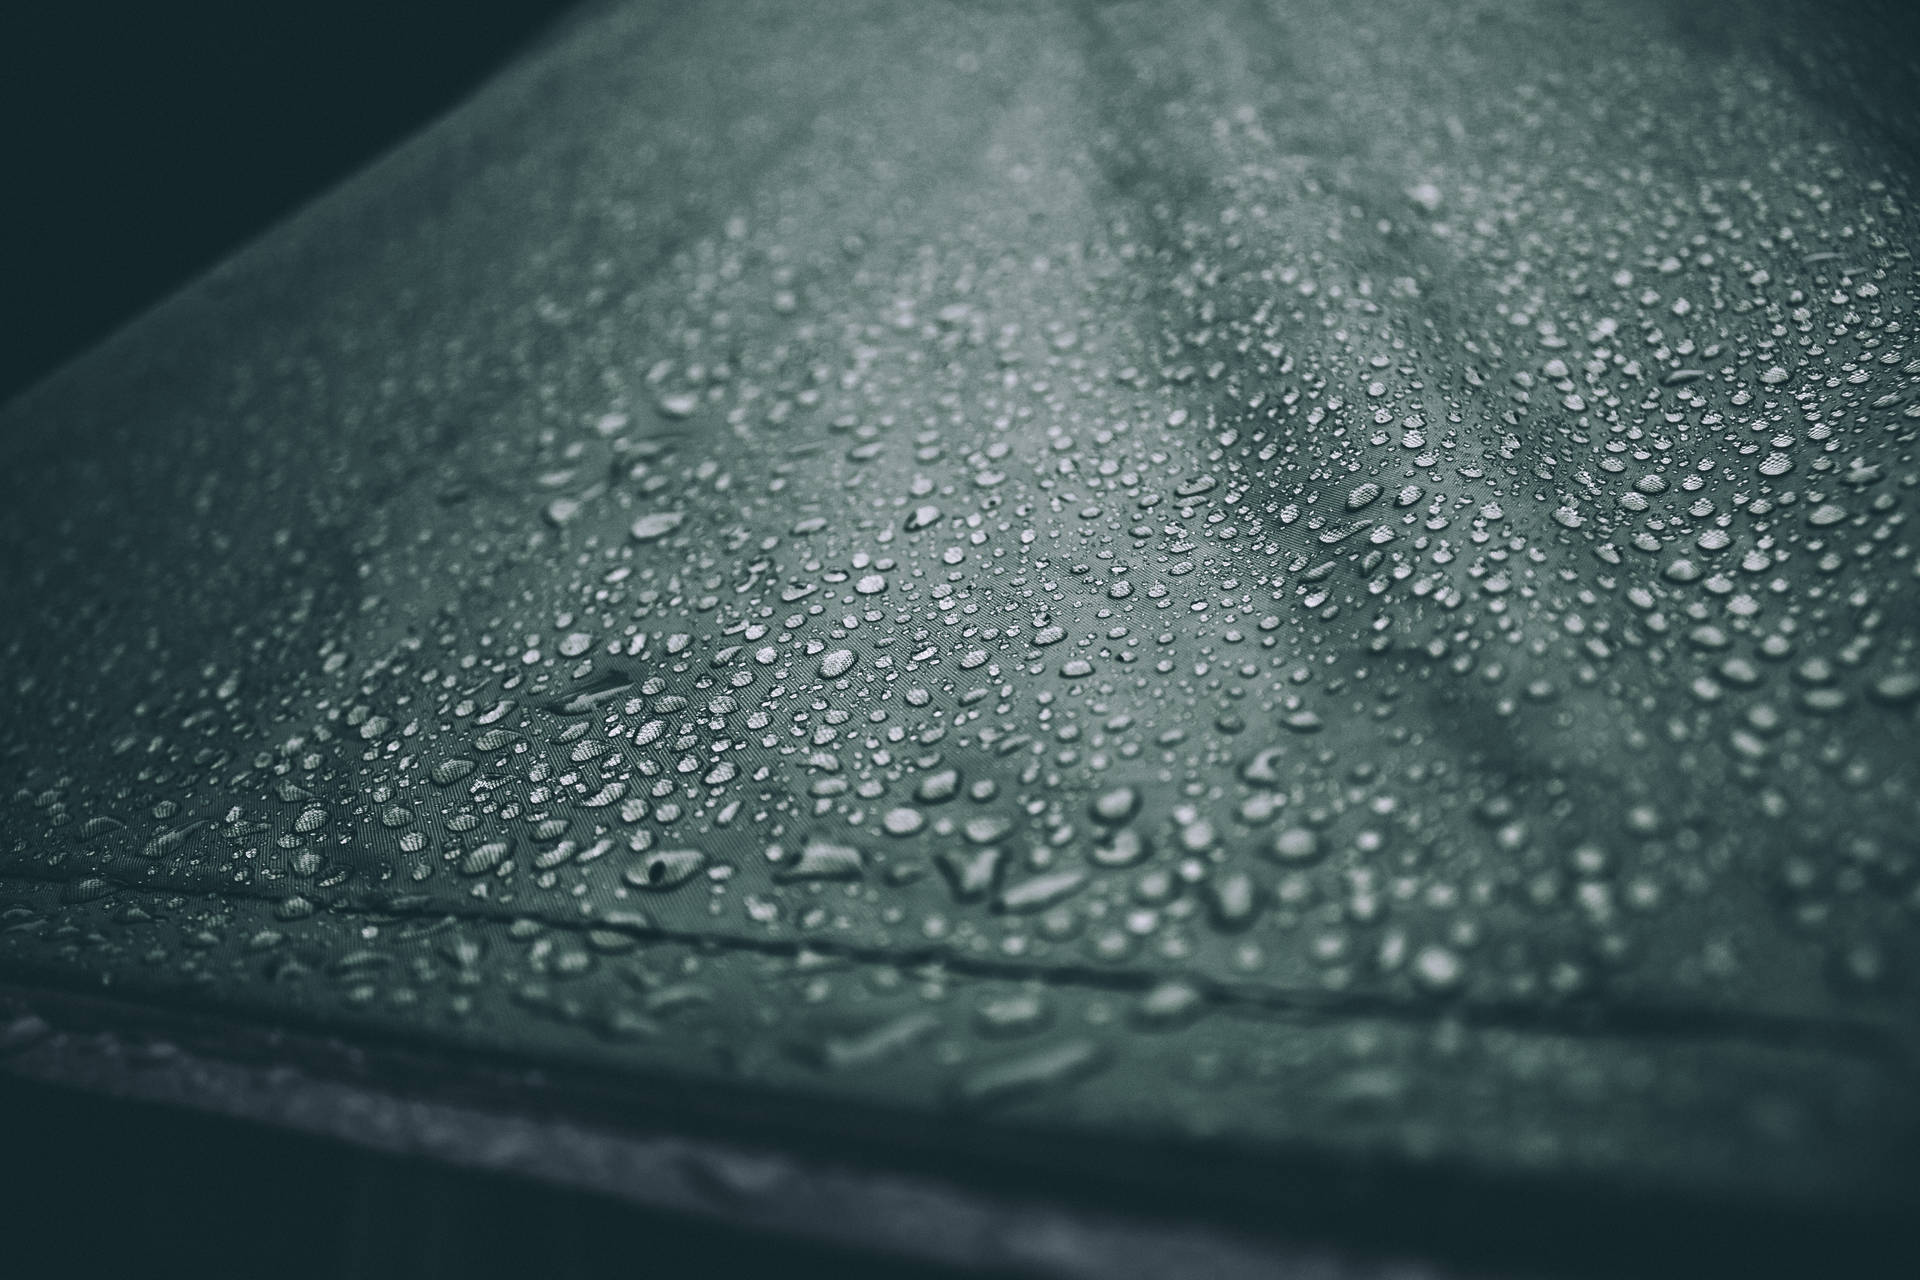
pixel 657 525
pixel 1040 1071
pixel 666 869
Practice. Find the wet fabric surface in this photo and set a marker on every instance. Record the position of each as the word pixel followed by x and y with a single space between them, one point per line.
pixel 1267 580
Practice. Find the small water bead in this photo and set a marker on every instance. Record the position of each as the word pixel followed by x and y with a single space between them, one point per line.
pixel 1295 844
pixel 1437 969
pixel 1021 1013
pixel 1115 806
pixel 1233 900
pixel 938 787
pixel 665 869
pixel 823 860
pixel 1171 1003
pixel 903 821
pixel 1040 1071
pixel 1039 892
pixel 651 528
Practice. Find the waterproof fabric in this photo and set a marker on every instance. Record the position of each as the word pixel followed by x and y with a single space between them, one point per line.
pixel 1285 583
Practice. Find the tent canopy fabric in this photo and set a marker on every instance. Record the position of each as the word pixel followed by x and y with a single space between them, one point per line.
pixel 1245 596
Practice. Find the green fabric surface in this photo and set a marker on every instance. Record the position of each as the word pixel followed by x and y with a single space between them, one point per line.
pixel 1293 581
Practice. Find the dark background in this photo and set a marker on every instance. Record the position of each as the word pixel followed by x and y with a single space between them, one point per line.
pixel 145 142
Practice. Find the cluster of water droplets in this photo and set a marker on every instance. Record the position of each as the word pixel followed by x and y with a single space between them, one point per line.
pixel 1225 574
